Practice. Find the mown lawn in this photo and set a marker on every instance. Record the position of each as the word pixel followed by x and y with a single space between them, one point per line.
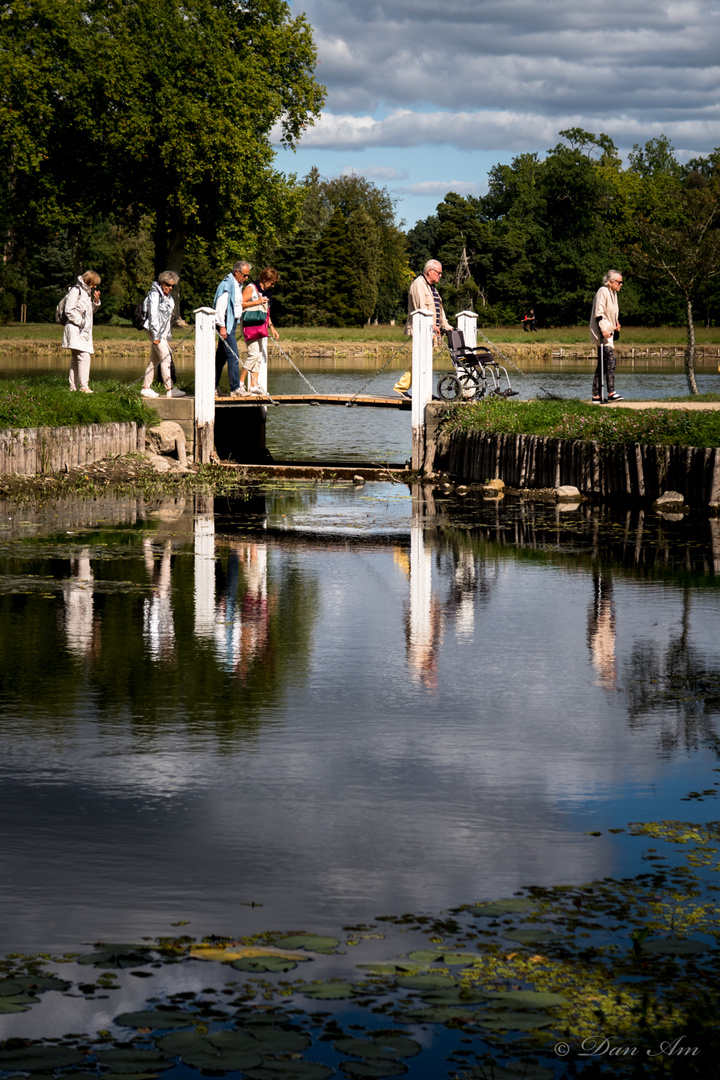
pixel 46 401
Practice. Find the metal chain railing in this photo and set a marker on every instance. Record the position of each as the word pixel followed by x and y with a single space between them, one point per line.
pixel 379 371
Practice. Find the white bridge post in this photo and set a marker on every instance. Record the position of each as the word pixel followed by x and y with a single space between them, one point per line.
pixel 467 325
pixel 204 384
pixel 422 357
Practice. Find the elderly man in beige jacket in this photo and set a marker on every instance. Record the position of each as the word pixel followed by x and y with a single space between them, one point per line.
pixel 604 327
pixel 423 296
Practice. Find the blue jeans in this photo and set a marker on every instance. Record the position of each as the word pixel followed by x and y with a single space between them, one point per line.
pixel 227 352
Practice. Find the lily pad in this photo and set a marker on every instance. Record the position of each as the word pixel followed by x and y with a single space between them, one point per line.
pixel 527 999
pixel 498 908
pixel 675 946
pixel 509 1020
pixel 530 935
pixel 464 959
pixel 438 1014
pixel 134 1060
pixel 457 995
pixel 157 1019
pixel 21 984
pixel 264 963
pixel 383 1045
pixel 16 1003
pixel 329 991
pixel 290 1070
pixel 423 956
pixel 116 959
pixel 223 1051
pixel 373 1069
pixel 311 942
pixel 426 982
pixel 39 1058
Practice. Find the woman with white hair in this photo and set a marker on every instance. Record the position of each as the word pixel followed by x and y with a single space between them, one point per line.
pixel 159 309
pixel 82 302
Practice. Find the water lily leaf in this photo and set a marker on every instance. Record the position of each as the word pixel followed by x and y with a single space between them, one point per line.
pixel 290 1070
pixel 240 952
pixel 457 995
pixel 438 1014
pixel 273 1040
pixel 20 984
pixel 39 1058
pixel 383 1045
pixel 375 1069
pixel 266 963
pixel 329 991
pixel 528 999
pixel 508 1020
pixel 114 959
pixel 133 1060
pixel 223 1051
pixel 454 959
pixel 16 1003
pixel 528 936
pixel 157 1019
pixel 498 908
pixel 675 946
pixel 422 956
pixel 426 982
pixel 311 942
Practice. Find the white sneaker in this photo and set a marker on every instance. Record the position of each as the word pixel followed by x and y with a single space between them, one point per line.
pixel 175 392
pixel 240 392
pixel 257 390
pixel 147 391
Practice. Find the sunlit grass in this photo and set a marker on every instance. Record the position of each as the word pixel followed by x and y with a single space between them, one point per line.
pixel 46 401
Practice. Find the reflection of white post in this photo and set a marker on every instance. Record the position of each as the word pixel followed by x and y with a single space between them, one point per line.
pixel 204 384
pixel 205 573
pixel 420 593
pixel 467 324
pixel 422 323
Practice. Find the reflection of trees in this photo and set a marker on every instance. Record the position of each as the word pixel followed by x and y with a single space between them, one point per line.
pixel 675 683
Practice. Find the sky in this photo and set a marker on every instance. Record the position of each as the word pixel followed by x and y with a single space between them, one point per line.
pixel 424 98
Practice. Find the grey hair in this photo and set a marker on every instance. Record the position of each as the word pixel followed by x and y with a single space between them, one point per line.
pixel 168 277
pixel 242 267
pixel 611 275
pixel 431 264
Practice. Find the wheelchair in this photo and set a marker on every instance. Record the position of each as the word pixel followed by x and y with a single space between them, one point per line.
pixel 477 374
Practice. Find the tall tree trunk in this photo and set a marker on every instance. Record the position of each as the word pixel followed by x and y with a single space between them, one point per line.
pixel 690 351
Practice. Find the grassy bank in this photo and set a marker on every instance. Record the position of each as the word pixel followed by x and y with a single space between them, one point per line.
pixel 569 419
pixel 633 336
pixel 46 401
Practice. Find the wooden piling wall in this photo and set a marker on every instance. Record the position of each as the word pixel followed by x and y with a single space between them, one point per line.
pixel 28 451
pixel 630 471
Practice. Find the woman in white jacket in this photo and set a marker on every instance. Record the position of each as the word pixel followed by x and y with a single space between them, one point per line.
pixel 160 308
pixel 82 302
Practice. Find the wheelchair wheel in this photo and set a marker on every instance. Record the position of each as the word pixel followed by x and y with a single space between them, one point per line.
pixel 448 388
pixel 470 389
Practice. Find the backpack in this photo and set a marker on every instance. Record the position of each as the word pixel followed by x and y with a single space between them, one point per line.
pixel 139 315
pixel 60 316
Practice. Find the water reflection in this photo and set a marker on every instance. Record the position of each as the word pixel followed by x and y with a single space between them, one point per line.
pixel 339 703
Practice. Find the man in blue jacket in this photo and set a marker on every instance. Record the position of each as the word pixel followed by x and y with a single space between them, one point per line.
pixel 228 312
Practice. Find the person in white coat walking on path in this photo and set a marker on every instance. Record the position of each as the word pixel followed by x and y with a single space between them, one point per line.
pixel 159 308
pixel 82 302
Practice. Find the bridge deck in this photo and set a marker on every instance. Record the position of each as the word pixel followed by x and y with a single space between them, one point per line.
pixel 362 400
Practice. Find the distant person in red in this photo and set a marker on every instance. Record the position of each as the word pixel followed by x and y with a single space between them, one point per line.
pixel 526 323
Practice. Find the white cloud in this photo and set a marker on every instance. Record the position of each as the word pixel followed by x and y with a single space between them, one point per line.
pixel 377 172
pixel 440 188
pixel 509 74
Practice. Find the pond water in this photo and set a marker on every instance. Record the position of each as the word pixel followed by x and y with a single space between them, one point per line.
pixel 323 704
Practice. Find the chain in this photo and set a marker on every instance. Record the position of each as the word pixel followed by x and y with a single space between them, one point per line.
pixel 379 371
pixel 290 361
pixel 498 350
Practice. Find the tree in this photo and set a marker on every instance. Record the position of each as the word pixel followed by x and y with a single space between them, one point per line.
pixel 161 107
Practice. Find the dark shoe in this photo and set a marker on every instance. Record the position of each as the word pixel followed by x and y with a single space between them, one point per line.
pixel 616 397
pixel 597 401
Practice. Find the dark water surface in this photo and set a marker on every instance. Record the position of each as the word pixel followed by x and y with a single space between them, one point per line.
pixel 339 703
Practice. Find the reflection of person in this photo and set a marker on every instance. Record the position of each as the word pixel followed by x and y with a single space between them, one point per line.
pixel 82 302
pixel 242 626
pixel 79 617
pixel 228 309
pixel 160 307
pixel 257 295
pixel 158 624
pixel 601 633
pixel 423 296
pixel 604 328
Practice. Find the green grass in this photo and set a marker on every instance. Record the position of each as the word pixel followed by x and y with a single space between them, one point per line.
pixel 579 420
pixel 46 401
pixel 637 336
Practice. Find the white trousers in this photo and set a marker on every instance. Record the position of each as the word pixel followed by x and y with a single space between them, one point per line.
pixel 159 354
pixel 79 369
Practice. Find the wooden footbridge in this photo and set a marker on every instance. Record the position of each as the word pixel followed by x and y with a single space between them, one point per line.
pixel 349 400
